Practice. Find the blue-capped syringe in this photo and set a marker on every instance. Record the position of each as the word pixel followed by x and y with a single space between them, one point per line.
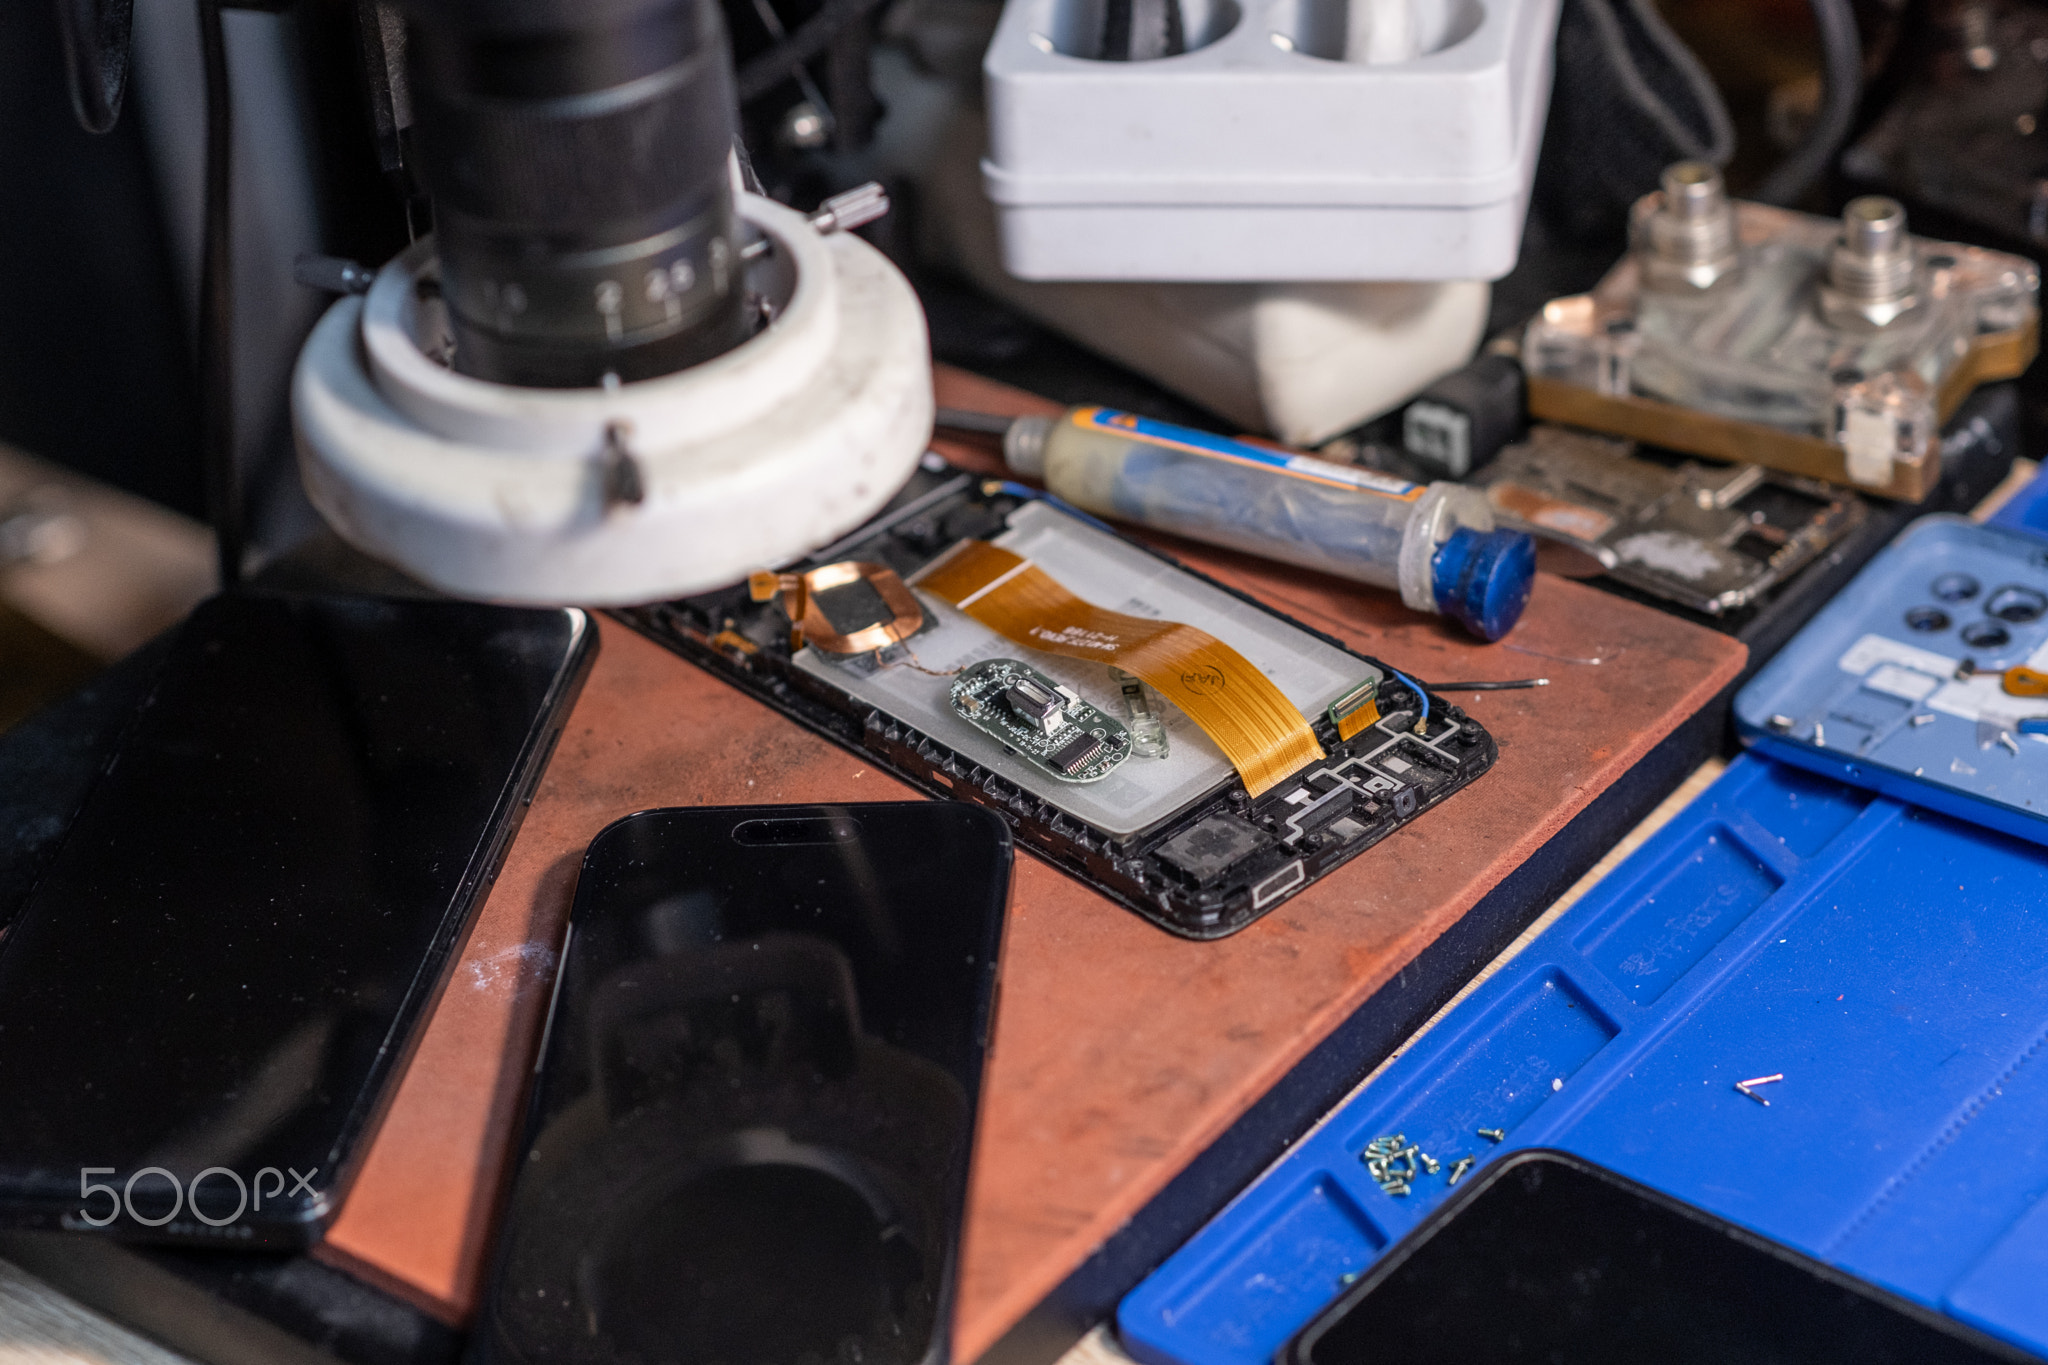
pixel 1435 544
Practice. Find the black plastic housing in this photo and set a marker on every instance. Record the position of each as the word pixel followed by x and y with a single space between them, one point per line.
pixel 577 157
pixel 1459 423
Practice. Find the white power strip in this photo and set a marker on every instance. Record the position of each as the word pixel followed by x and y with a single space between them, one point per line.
pixel 1295 140
pixel 1300 360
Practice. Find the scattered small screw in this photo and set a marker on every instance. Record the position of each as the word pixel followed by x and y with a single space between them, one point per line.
pixel 1462 1165
pixel 1430 1163
pixel 1820 736
pixel 1924 718
pixel 1348 1277
pixel 1744 1086
pixel 857 207
pixel 1393 1162
pixel 1494 1134
pixel 332 274
pixel 2005 738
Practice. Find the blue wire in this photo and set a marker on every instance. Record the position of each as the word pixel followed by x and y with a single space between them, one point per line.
pixel 1420 695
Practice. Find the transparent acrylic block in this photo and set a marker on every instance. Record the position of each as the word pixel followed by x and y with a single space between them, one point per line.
pixel 1827 347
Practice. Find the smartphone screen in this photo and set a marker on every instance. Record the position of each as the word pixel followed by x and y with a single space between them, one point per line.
pixel 205 998
pixel 750 1135
pixel 1552 1258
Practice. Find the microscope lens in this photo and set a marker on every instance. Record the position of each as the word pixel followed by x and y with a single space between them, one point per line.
pixel 576 153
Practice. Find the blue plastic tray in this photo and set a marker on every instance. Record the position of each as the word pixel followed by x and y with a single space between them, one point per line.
pixel 1879 689
pixel 1890 961
pixel 2026 510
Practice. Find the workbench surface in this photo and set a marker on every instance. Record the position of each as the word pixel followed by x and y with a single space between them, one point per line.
pixel 1120 1052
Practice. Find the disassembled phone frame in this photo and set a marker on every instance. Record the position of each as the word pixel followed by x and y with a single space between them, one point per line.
pixel 1712 539
pixel 1201 858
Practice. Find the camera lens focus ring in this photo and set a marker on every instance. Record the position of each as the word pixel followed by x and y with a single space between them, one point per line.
pixel 583 207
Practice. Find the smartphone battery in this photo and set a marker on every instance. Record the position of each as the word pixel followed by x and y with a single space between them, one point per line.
pixel 1142 794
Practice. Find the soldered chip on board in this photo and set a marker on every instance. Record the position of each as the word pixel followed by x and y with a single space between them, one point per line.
pixel 1076 754
pixel 1042 721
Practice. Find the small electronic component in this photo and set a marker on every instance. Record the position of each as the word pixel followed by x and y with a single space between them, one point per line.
pixel 1148 732
pixel 1830 348
pixel 1710 538
pixel 1043 721
pixel 1038 703
pixel 845 608
pixel 1356 709
pixel 989 712
pixel 1211 848
pixel 1077 756
pixel 1458 424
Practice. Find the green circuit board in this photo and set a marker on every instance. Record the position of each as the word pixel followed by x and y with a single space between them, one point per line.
pixel 1042 721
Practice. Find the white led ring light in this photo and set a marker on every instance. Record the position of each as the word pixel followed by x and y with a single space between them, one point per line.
pixel 510 494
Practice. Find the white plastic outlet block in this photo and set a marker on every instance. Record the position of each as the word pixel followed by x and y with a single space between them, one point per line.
pixel 1293 140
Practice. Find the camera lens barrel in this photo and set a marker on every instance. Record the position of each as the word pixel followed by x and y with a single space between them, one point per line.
pixel 576 153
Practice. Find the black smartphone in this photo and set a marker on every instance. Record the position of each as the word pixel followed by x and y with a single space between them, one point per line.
pixel 750 1135
pixel 212 988
pixel 1550 1258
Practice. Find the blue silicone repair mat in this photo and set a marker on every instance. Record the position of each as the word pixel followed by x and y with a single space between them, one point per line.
pixel 2026 510
pixel 1889 961
pixel 1899 684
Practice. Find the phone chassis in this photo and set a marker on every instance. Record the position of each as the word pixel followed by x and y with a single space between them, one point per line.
pixel 1221 858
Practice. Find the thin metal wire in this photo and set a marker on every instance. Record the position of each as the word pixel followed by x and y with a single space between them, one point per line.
pixel 918 664
pixel 1511 685
pixel 1841 89
pixel 1565 658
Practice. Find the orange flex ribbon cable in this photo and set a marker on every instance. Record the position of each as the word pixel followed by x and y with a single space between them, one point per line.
pixel 1251 720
